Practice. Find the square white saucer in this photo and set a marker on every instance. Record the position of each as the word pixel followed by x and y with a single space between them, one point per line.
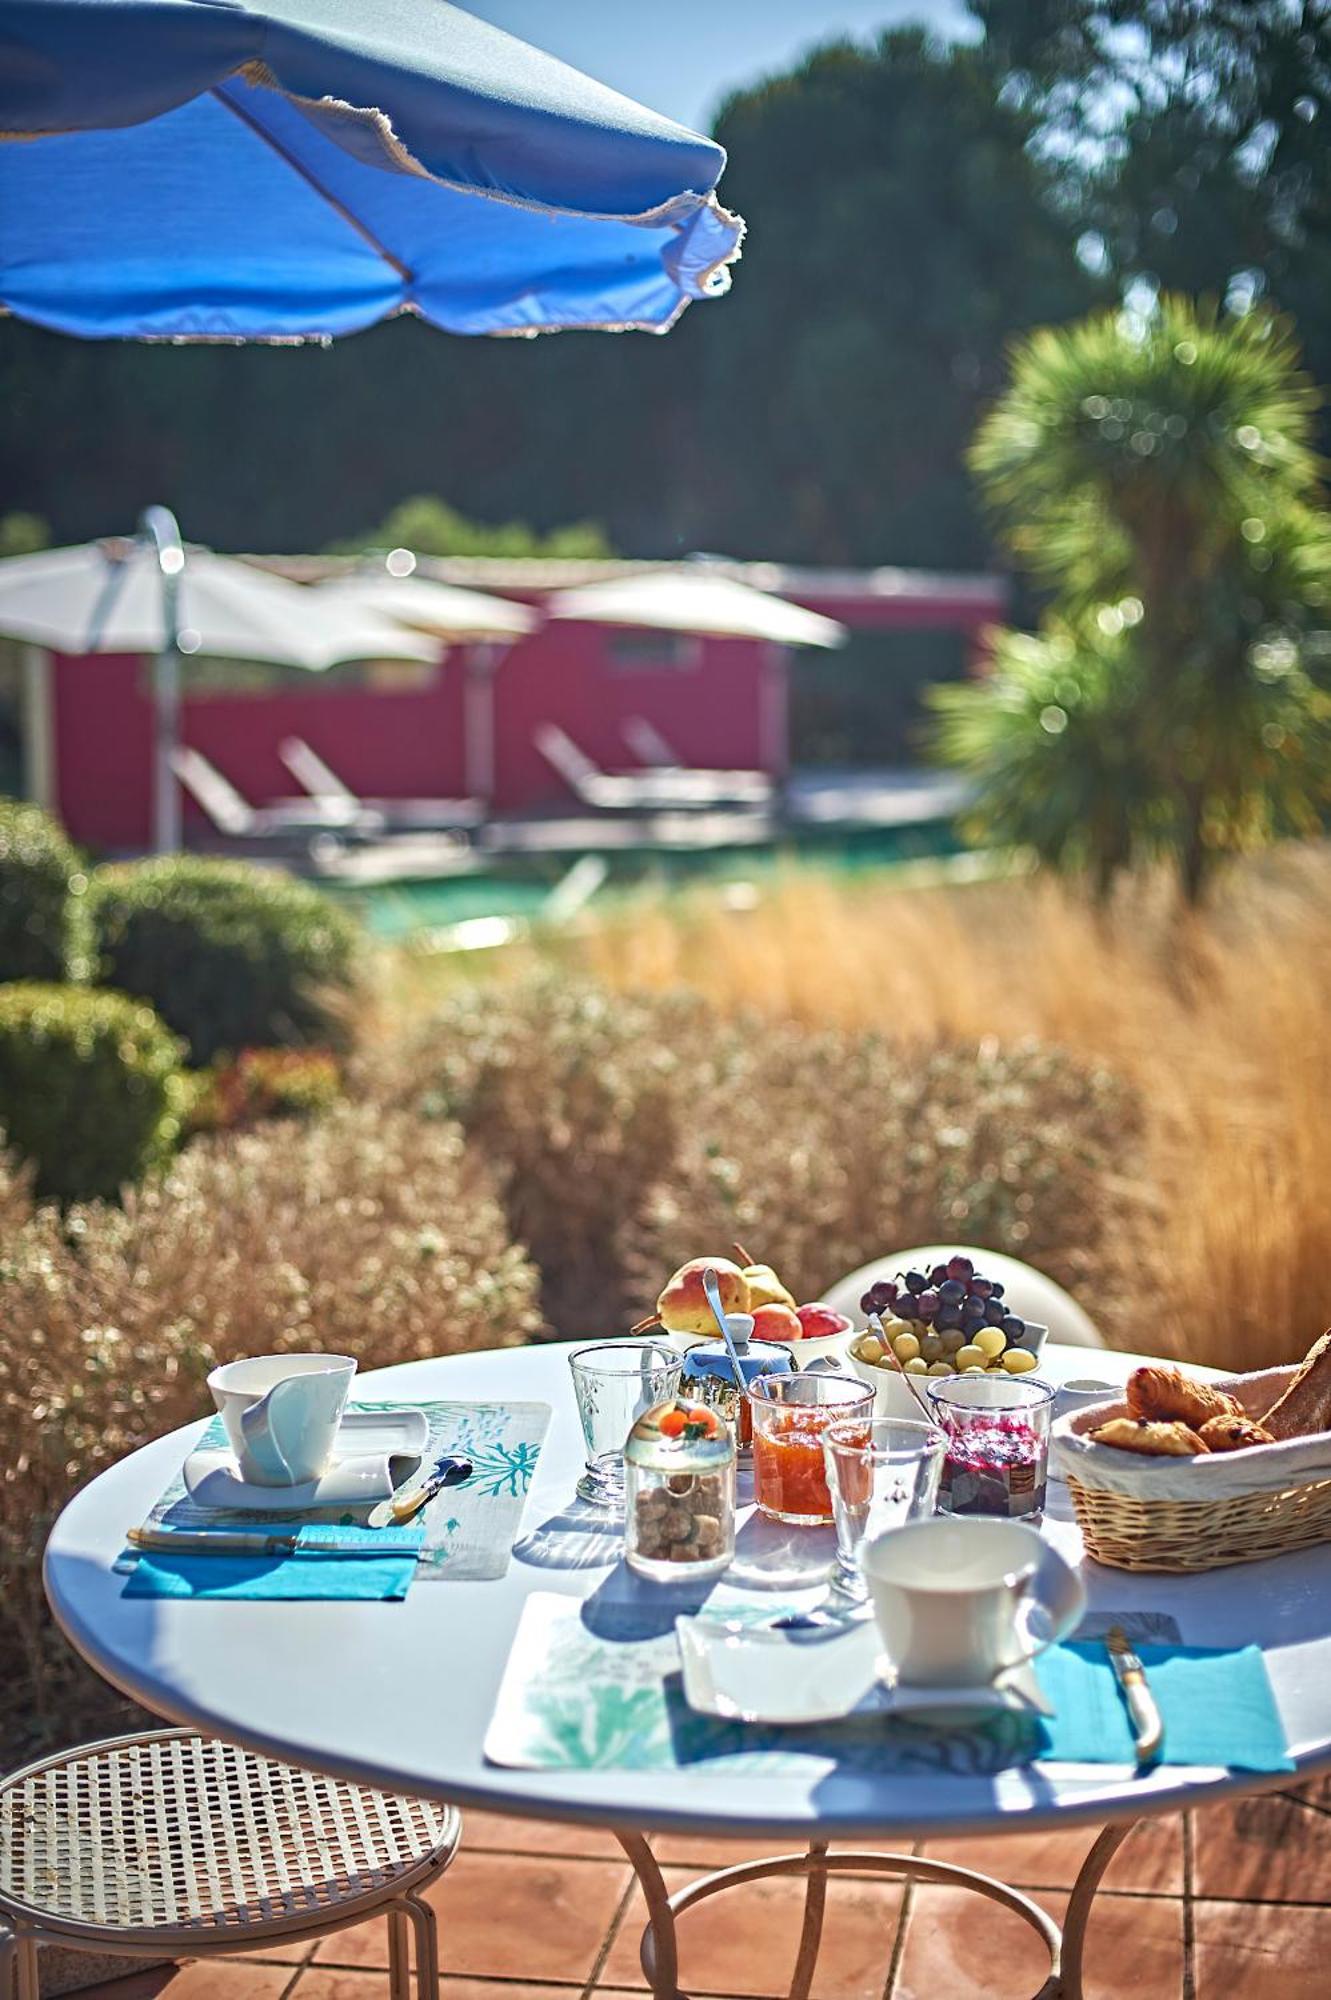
pixel 823 1673
pixel 370 1460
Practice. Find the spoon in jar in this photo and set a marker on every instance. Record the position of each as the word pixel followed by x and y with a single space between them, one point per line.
pixel 713 1292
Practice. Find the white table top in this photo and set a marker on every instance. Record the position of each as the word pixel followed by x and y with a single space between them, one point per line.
pixel 400 1695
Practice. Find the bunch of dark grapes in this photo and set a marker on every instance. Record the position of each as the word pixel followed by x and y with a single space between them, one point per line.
pixel 946 1306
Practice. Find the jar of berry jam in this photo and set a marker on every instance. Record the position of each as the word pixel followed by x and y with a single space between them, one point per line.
pixel 996 1460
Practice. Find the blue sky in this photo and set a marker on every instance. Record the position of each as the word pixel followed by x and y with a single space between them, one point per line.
pixel 682 56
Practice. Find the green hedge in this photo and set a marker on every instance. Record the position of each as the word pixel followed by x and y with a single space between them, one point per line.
pixel 231 956
pixel 43 905
pixel 90 1087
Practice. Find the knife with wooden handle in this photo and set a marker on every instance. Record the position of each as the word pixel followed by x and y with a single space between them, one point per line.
pixel 1148 1729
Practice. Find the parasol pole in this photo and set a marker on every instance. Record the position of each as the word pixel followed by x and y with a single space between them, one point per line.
pixel 159 525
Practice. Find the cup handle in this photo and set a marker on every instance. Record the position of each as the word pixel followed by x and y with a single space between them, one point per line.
pixel 257 1429
pixel 1027 1605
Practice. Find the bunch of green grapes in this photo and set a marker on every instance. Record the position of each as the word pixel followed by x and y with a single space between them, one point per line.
pixel 944 1322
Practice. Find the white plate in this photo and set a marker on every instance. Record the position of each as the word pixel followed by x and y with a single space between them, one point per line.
pixel 370 1460
pixel 822 1673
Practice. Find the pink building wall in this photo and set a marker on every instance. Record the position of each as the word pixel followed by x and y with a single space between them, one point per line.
pixel 715 709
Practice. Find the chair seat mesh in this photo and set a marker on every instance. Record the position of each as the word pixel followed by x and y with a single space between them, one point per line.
pixel 176 1831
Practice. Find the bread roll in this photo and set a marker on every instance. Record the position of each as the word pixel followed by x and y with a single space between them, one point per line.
pixel 1233 1434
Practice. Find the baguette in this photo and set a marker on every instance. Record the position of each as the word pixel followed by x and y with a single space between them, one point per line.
pixel 1305 1407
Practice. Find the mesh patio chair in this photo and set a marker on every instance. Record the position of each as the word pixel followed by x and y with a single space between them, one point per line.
pixel 173 1845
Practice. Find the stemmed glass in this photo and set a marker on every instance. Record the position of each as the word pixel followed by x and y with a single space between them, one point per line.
pixel 615 1381
pixel 880 1475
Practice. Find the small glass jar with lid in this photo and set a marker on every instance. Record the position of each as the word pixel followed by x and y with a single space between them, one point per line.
pixel 679 1485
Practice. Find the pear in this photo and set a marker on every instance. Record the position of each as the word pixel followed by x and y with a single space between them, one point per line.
pixel 765 1288
pixel 682 1306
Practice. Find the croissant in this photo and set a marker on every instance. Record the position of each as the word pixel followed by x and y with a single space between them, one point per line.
pixel 1233 1434
pixel 1166 1395
pixel 1156 1440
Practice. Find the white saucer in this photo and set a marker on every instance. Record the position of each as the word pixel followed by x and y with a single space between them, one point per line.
pixel 823 1671
pixel 370 1461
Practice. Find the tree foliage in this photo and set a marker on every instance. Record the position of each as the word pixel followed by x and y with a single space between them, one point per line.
pixel 430 527
pixel 1159 477
pixel 900 232
pixel 1189 139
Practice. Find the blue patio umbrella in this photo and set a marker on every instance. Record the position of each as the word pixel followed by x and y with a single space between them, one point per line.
pixel 207 170
pixel 197 169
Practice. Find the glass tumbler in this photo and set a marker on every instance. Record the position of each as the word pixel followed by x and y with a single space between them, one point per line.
pixel 997 1457
pixel 790 1414
pixel 880 1475
pixel 615 1381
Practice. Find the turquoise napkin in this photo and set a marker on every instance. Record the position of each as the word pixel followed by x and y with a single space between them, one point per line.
pixel 1217 1707
pixel 376 1564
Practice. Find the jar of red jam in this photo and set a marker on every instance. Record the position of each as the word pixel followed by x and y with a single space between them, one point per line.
pixel 996 1460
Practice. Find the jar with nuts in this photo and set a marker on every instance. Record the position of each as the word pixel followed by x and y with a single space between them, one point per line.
pixel 679 1478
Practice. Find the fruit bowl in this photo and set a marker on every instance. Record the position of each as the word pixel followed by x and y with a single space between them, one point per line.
pixel 804 1348
pixel 893 1396
pixel 802 1352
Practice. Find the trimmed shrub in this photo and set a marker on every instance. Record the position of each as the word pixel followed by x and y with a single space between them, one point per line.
pixel 230 955
pixel 90 1087
pixel 631 1132
pixel 43 900
pixel 364 1232
pixel 15 1193
pixel 827 1150
pixel 574 1095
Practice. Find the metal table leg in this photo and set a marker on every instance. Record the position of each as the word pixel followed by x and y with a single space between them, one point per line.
pixel 660 1952
pixel 1103 1850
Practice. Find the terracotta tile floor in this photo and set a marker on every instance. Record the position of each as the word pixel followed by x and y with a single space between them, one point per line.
pixel 1231 1904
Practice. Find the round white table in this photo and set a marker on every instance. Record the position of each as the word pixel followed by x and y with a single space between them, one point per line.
pixel 400 1695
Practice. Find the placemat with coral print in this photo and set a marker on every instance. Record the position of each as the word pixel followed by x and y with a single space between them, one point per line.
pixel 470 1528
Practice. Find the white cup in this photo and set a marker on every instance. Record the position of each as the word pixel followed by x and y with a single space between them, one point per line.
pixel 282 1413
pixel 1082 1392
pixel 952 1598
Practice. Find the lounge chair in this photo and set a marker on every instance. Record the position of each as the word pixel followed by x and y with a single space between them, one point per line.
pixel 672 789
pixel 650 747
pixel 293 820
pixel 325 788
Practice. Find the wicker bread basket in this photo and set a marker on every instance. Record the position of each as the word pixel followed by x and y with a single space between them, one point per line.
pixel 1199 1513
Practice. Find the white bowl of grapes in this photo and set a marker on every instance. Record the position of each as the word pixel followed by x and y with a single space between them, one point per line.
pixel 944 1321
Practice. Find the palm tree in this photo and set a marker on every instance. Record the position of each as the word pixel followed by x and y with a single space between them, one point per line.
pixel 1160 479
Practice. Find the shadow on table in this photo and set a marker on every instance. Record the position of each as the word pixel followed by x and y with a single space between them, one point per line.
pixel 579 1536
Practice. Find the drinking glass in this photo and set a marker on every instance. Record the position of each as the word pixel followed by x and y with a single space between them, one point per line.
pixel 997 1456
pixel 615 1381
pixel 790 1414
pixel 880 1475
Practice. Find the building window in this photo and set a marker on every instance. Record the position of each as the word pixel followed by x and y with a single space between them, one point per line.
pixel 247 680
pixel 652 652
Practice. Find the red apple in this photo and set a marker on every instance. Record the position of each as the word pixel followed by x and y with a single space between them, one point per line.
pixel 820 1322
pixel 776 1322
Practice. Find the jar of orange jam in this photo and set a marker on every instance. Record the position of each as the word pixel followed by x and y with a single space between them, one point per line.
pixel 790 1414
